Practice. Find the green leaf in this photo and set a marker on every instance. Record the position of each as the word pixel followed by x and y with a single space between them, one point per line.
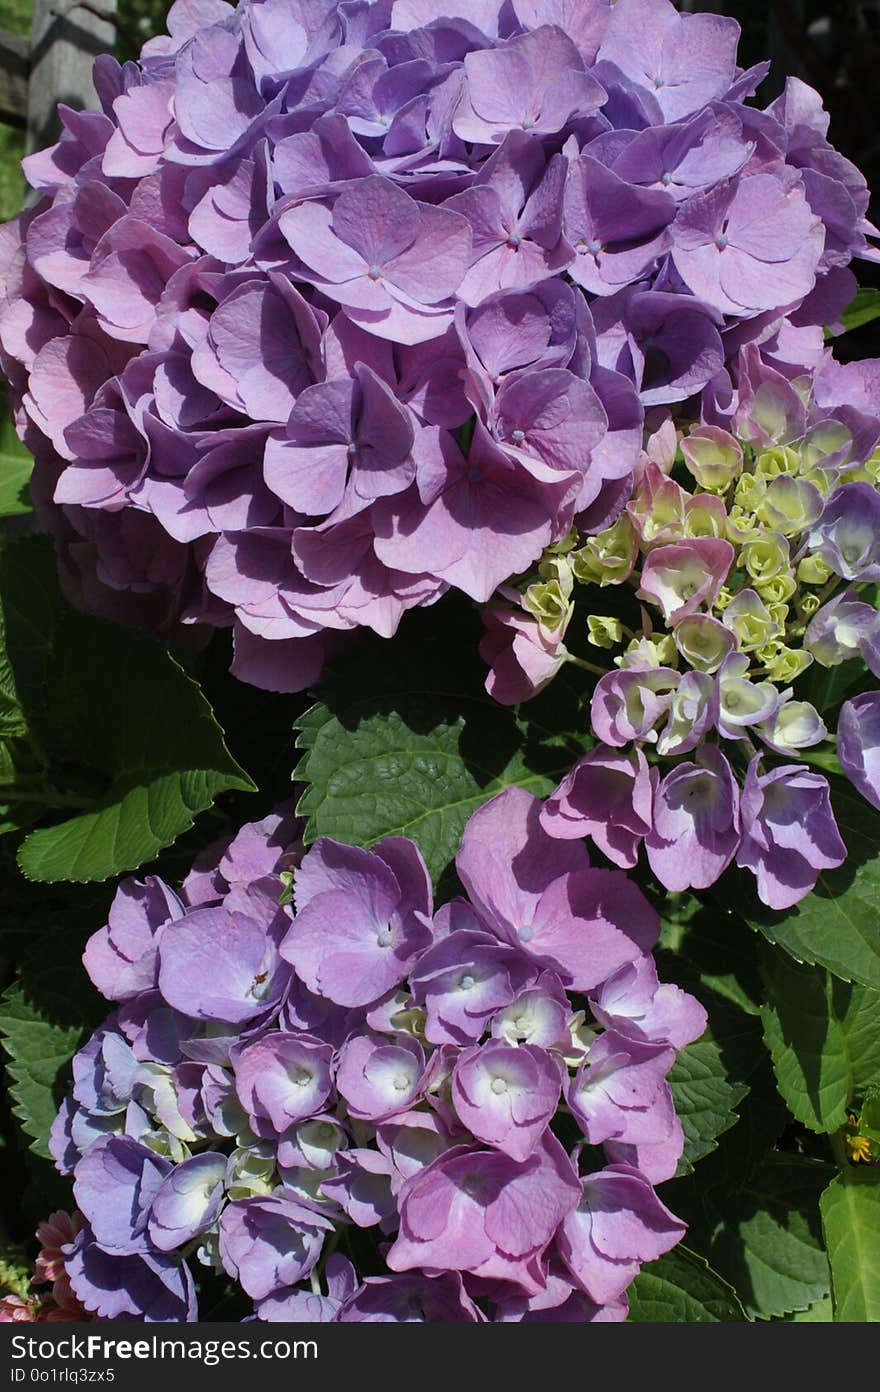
pixel 765 1237
pixel 861 310
pixel 820 1313
pixel 837 926
pixel 130 744
pixel 822 1034
pixel 851 1222
pixel 709 1078
pixel 16 464
pixel 408 745
pixel 825 688
pixel 681 1288
pixel 713 958
pixel 704 1097
pixel 45 1015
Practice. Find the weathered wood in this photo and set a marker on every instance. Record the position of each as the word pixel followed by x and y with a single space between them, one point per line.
pixel 14 65
pixel 65 40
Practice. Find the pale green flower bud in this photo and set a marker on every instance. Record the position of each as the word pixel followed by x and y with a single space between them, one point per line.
pixel 705 517
pixel 549 605
pixel 605 632
pixel 822 479
pixel 788 665
pixel 251 1171
pixel 750 491
pixel 657 650
pixel 608 558
pixel 556 569
pixel 791 505
pixel 764 556
pixel 565 544
pixel 813 571
pixel 769 652
pixel 748 617
pixel 162 1142
pixel 713 456
pixel 779 613
pixel 581 1035
pixel 827 438
pixel 723 599
pixel 155 1090
pixel 741 526
pixel 782 459
pixel 809 604
pixel 796 725
pixel 778 589
pixel 208 1251
pixel 704 642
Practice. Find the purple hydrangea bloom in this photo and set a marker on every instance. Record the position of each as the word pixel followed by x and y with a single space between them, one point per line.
pixel 410 1299
pixel 241 982
pixel 379 1078
pixel 583 923
pixel 789 832
pixel 847 536
pixel 423 1114
pixel 506 1094
pixel 362 918
pixel 603 1255
pixel 144 1285
pixel 282 1079
pixel 615 1092
pixel 859 744
pixel 607 796
pixel 696 823
pixel 268 1243
pixel 188 1201
pixel 469 1211
pixel 280 213
pixel 115 1185
pixel 121 959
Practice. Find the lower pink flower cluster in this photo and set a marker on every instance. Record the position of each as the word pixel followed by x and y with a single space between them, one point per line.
pixel 367 1109
pixel 50 1299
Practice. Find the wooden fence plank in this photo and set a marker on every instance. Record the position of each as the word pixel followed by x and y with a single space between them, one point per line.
pixel 14 65
pixel 65 40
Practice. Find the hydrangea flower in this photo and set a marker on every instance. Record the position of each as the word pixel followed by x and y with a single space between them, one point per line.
pixel 409 1076
pixel 329 309
pixel 746 555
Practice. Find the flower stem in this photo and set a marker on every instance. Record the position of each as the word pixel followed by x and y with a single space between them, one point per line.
pixel 587 666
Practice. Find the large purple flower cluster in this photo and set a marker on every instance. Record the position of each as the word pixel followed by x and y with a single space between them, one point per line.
pixel 299 329
pixel 733 585
pixel 471 1103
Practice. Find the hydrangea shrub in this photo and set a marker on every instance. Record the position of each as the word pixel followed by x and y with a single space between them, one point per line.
pixel 551 995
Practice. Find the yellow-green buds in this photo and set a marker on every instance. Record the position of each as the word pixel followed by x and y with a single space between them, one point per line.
pixel 778 589
pixel 604 631
pixel 813 571
pixel 750 492
pixel 705 516
pixel 787 665
pixel 749 618
pixel 790 505
pixel 655 650
pixel 608 558
pixel 713 456
pixel 549 603
pixel 809 604
pixel 764 556
pixel 704 642
pixel 780 460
